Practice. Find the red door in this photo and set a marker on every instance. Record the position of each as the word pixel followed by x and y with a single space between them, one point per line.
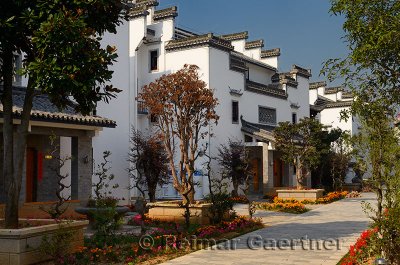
pixel 31 175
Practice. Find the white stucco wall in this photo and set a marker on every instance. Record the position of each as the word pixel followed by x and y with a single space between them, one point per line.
pixel 117 140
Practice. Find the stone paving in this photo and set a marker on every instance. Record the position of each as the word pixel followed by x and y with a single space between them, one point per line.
pixel 320 236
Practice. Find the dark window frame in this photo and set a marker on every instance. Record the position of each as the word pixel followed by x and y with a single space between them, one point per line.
pixel 294 117
pixel 235 111
pixel 153 57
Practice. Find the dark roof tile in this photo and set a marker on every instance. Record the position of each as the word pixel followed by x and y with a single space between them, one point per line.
pixel 254 44
pixel 315 85
pixel 236 36
pixel 271 53
pixel 44 110
pixel 170 12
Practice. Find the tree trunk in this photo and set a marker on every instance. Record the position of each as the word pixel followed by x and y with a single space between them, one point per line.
pixel 152 194
pixel 235 187
pixel 11 214
pixel 14 187
pixel 299 175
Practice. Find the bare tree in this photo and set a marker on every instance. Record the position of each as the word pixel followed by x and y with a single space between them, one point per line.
pixel 148 163
pixel 183 105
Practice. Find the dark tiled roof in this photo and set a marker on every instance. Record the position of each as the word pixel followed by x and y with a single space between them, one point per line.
pixel 170 12
pixel 347 95
pixel 197 41
pixel 271 53
pixel 273 90
pixel 339 104
pixel 301 71
pixel 254 44
pixel 44 110
pixel 236 36
pixel 237 64
pixel 315 85
pixel 322 101
pixel 316 109
pixel 241 56
pixel 285 78
pixel 333 90
pixel 138 12
pixel 257 126
pixel 146 3
pixel 183 33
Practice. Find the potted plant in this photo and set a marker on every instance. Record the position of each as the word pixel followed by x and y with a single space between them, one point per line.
pixel 102 209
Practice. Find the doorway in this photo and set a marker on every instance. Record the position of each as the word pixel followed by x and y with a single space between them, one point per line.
pixel 31 174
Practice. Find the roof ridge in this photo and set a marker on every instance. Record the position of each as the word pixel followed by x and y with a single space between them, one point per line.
pixel 146 3
pixel 205 39
pixel 271 53
pixel 166 13
pixel 235 36
pixel 317 84
pixel 301 71
pixel 254 44
pixel 334 89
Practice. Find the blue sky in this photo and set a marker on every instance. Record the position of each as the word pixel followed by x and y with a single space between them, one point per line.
pixel 305 31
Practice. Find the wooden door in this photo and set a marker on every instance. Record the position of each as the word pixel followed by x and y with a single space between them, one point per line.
pixel 256 184
pixel 31 175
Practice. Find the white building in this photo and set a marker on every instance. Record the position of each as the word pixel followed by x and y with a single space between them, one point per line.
pixel 328 103
pixel 252 96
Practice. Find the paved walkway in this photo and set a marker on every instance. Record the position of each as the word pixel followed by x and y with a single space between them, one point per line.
pixel 320 236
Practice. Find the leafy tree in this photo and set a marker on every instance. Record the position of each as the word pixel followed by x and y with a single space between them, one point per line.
pixel 184 106
pixel 321 174
pixel 149 163
pixel 377 149
pixel 339 160
pixel 371 70
pixel 60 41
pixel 234 161
pixel 299 144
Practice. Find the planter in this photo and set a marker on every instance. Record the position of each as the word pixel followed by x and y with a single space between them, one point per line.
pixel 91 211
pixel 172 211
pixel 352 187
pixel 21 246
pixel 301 194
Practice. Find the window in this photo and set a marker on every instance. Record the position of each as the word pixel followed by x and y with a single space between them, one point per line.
pixel 154 60
pixel 235 112
pixel 17 66
pixel 247 74
pixel 294 118
pixel 266 115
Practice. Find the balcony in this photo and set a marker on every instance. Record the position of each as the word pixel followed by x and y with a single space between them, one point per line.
pixel 141 108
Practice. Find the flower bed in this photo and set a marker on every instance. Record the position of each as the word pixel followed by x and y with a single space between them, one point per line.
pixel 167 241
pixel 360 252
pixel 240 199
pixel 279 205
pixel 292 205
pixel 329 198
